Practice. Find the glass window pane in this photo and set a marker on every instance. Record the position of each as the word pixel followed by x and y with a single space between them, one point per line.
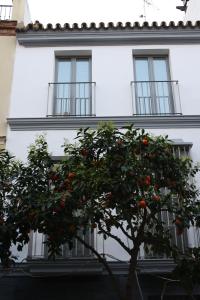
pixel 162 97
pixel 142 70
pixel 143 89
pixel 160 69
pixel 161 88
pixel 62 91
pixel 83 98
pixel 82 70
pixel 152 87
pixel 64 71
pixel 72 93
pixel 82 89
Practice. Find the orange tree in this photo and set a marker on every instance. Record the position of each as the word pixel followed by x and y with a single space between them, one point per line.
pixel 9 172
pixel 109 179
pixel 24 190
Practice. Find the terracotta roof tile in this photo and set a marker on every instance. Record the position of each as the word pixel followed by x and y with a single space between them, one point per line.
pixel 37 26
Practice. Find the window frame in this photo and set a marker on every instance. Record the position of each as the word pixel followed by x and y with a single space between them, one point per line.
pixel 73 59
pixel 150 55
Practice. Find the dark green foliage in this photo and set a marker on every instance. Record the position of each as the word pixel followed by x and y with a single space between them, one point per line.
pixel 188 269
pixel 109 179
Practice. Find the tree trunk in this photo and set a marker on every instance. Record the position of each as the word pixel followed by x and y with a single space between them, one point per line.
pixel 130 292
pixel 106 265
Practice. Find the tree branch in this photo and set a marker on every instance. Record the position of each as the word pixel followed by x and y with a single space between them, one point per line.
pixel 120 226
pixel 115 238
pixel 141 229
pixel 105 264
pixel 132 229
pixel 125 233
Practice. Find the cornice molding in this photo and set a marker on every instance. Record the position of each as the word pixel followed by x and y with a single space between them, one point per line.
pixel 137 37
pixel 73 123
pixel 99 34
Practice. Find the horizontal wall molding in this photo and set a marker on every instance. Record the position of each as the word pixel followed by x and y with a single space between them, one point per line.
pixel 87 267
pixel 160 36
pixel 70 123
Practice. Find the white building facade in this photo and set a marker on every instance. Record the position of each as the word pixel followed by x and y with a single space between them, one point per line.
pixel 71 77
pixel 193 10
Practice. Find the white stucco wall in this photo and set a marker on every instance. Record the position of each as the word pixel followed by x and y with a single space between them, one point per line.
pixel 112 70
pixel 18 141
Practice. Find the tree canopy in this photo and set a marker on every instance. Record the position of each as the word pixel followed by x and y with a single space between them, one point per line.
pixel 108 179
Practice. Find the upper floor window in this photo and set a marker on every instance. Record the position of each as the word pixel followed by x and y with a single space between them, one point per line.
pixel 153 88
pixel 73 87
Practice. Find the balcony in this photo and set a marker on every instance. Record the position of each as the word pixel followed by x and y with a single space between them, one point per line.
pixel 37 249
pixel 71 99
pixel 160 98
pixel 5 12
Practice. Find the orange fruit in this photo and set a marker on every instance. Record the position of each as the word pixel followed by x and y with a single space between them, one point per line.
pixel 142 204
pixel 145 142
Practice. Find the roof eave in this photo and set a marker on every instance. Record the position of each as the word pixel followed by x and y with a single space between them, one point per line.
pixel 109 37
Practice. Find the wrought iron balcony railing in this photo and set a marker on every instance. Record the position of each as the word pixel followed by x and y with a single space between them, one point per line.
pixel 71 99
pixel 38 250
pixel 156 97
pixel 5 12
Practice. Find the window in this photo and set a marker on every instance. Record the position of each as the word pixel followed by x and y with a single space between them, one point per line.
pixel 78 250
pixel 153 88
pixel 180 149
pixel 73 87
pixel 37 248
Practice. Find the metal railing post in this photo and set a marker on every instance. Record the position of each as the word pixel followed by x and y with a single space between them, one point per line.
pixel 5 12
pixel 156 97
pixel 71 99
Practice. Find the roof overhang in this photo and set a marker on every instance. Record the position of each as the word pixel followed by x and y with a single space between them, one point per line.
pixel 38 36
